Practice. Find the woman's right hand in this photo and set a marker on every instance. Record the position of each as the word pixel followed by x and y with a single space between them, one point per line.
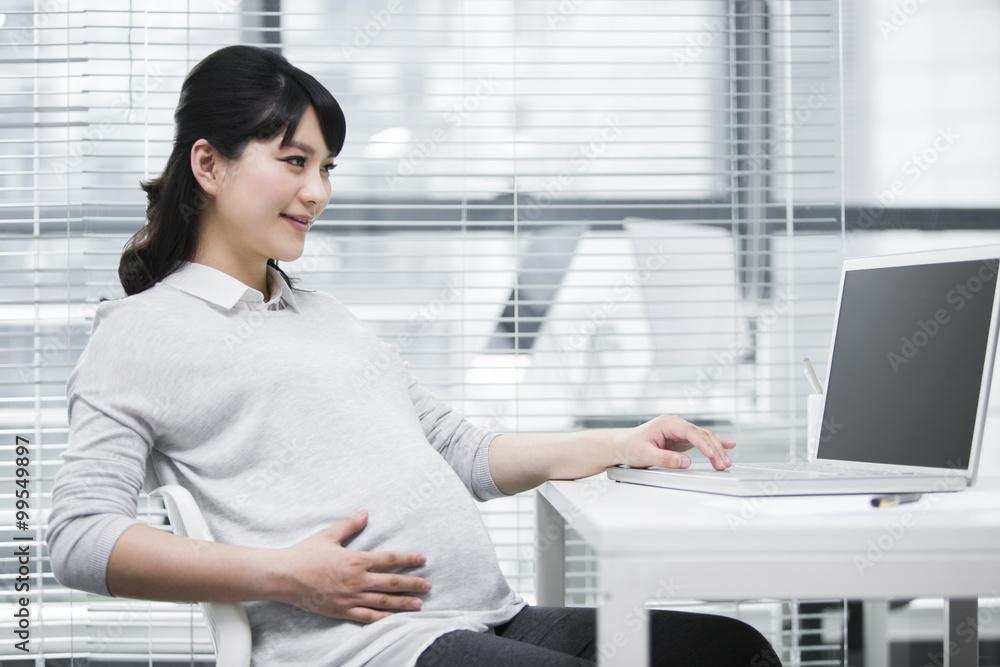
pixel 323 577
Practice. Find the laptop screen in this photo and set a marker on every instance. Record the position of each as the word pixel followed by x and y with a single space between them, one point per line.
pixel 907 367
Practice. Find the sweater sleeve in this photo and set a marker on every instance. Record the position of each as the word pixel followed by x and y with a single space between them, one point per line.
pixel 464 446
pixel 96 491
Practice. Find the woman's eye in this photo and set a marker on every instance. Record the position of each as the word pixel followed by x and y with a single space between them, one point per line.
pixel 327 168
pixel 296 161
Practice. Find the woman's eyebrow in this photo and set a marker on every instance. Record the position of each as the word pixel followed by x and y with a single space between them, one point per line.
pixel 308 150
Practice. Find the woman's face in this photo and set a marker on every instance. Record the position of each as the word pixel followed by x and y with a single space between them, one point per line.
pixel 269 198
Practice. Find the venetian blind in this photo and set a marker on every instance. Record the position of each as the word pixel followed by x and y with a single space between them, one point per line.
pixel 566 214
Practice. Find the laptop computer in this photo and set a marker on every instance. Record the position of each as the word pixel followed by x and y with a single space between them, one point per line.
pixel 907 386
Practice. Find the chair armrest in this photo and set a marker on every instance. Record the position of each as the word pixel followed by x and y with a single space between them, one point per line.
pixel 227 621
pixel 183 512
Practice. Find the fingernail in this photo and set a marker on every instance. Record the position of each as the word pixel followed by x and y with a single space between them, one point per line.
pixel 426 587
pixel 416 604
pixel 683 462
pixel 361 514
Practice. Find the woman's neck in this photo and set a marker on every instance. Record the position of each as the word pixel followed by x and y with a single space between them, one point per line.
pixel 252 274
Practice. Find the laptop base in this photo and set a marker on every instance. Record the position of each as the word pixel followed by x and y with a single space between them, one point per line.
pixel 747 481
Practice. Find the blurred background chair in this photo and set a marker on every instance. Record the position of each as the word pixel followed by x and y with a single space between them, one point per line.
pixel 698 320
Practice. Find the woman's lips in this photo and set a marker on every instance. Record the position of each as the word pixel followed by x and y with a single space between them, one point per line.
pixel 298 223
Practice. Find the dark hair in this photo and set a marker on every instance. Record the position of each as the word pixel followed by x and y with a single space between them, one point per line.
pixel 234 95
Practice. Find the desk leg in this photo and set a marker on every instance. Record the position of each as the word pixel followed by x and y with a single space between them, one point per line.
pixel 961 641
pixel 622 618
pixel 550 554
pixel 876 633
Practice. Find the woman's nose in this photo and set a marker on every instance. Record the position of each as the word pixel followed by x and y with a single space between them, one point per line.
pixel 314 190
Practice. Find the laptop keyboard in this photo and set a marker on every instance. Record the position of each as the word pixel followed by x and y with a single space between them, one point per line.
pixel 824 468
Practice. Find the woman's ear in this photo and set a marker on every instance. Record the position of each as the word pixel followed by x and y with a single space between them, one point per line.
pixel 207 166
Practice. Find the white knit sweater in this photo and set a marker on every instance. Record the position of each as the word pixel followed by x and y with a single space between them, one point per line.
pixel 281 418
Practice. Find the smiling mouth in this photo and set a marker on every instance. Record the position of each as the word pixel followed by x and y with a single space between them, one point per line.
pixel 301 221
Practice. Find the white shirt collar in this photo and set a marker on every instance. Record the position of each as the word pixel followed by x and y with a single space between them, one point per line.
pixel 225 291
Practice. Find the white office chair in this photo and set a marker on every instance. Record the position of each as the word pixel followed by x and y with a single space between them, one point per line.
pixel 227 621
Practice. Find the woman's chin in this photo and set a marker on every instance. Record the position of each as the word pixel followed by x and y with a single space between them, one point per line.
pixel 288 254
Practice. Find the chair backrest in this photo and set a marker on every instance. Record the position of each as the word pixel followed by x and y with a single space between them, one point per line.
pixel 227 621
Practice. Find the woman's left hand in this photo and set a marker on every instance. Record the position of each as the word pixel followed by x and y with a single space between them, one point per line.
pixel 661 441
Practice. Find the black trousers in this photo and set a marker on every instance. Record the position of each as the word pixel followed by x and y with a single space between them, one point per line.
pixel 566 637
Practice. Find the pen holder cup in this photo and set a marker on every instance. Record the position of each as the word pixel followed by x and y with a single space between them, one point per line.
pixel 814 422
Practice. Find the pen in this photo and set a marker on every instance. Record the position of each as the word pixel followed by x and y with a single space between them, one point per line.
pixel 811 376
pixel 895 499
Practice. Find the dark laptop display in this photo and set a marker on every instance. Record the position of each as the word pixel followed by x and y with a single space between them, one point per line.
pixel 905 381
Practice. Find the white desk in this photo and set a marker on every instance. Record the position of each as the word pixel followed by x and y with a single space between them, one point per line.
pixel 659 543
